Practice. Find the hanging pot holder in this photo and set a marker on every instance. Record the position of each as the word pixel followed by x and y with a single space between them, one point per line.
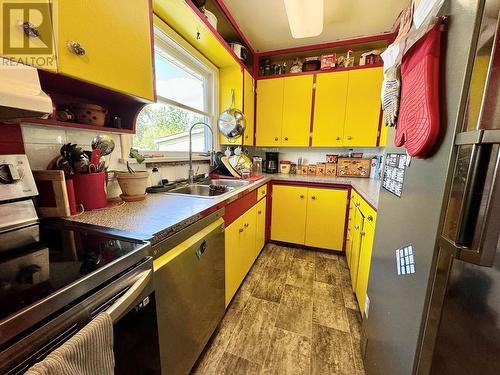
pixel 418 122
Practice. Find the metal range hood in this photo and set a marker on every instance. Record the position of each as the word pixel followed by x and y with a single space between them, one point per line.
pixel 21 95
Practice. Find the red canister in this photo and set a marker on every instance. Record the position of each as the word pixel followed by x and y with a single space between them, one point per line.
pixel 90 190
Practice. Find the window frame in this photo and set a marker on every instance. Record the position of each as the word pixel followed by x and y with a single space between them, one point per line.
pixel 165 39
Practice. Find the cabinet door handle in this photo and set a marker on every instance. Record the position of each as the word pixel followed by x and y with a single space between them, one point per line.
pixel 276 138
pixel 259 212
pixel 286 138
pixel 240 230
pixel 362 233
pixel 338 138
pixel 76 48
pixel 301 197
pixel 246 136
pixel 356 227
pixel 246 225
pixel 313 198
pixel 356 204
pixel 370 218
pixel 349 137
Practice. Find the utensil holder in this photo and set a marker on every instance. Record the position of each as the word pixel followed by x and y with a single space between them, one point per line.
pixel 90 190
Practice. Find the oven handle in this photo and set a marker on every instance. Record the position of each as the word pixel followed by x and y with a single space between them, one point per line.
pixel 120 306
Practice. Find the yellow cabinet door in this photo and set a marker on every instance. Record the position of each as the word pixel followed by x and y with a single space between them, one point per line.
pixel 116 41
pixel 297 106
pixel 248 240
pixel 289 209
pixel 269 112
pixel 356 247
pixel 329 109
pixel 248 107
pixel 234 261
pixel 363 107
pixel 326 210
pixel 260 226
pixel 230 80
pixel 365 258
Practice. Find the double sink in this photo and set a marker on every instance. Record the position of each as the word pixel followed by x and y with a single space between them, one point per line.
pixel 209 188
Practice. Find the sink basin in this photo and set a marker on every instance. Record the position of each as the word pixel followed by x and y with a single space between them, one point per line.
pixel 202 189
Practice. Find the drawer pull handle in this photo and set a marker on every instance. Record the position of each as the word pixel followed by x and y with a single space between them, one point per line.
pixel 276 138
pixel 313 198
pixel 338 138
pixel 76 48
pixel 246 225
pixel 286 138
pixel 370 218
pixel 349 137
pixel 240 230
pixel 30 30
pixel 301 197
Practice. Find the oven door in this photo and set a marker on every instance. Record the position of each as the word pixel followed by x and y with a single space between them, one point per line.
pixel 130 301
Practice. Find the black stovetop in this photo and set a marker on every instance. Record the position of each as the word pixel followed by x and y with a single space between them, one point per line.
pixel 39 260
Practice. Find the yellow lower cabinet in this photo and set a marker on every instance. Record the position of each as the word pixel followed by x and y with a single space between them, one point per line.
pixel 234 262
pixel 289 211
pixel 248 240
pixel 365 257
pixel 325 222
pixel 260 227
pixel 356 247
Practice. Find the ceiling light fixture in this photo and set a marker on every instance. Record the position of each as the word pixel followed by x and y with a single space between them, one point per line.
pixel 305 17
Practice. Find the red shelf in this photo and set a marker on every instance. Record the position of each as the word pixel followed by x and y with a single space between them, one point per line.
pixel 321 71
pixel 76 125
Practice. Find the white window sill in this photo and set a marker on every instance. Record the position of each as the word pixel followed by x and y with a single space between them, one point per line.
pixel 164 159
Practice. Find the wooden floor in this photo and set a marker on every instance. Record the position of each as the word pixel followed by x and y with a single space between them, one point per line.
pixel 294 314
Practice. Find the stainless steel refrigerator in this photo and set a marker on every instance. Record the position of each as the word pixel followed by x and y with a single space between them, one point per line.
pixel 445 317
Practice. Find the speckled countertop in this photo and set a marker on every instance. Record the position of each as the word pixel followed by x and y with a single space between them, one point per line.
pixel 162 214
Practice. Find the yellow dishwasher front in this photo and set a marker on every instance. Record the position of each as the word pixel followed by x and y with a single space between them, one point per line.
pixel 189 288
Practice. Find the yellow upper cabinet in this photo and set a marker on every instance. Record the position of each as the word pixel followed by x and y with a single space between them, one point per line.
pixel 105 44
pixel 363 107
pixel 230 79
pixel 289 208
pixel 248 107
pixel 269 112
pixel 329 109
pixel 326 210
pixel 297 105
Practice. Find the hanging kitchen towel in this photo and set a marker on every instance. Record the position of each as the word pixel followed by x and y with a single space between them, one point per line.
pixel 418 121
pixel 88 352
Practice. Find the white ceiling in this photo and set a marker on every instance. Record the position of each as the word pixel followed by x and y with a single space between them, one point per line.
pixel 265 24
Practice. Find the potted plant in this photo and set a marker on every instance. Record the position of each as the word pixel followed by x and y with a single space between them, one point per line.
pixel 133 184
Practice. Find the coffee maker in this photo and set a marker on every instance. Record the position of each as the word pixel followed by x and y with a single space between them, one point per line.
pixel 271 164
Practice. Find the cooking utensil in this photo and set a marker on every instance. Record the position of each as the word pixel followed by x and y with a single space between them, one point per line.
pixel 77 160
pixel 104 143
pixel 232 122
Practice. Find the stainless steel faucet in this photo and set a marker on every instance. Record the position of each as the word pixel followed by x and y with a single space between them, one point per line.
pixel 211 154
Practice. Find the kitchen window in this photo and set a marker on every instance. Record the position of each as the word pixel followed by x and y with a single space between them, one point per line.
pixel 186 92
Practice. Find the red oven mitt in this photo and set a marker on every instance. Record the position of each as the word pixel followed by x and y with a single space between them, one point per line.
pixel 418 122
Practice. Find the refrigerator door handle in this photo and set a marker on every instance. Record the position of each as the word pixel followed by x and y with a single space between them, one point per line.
pixel 478 229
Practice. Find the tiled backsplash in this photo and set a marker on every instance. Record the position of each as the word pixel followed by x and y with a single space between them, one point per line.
pixel 43 143
pixel 313 155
